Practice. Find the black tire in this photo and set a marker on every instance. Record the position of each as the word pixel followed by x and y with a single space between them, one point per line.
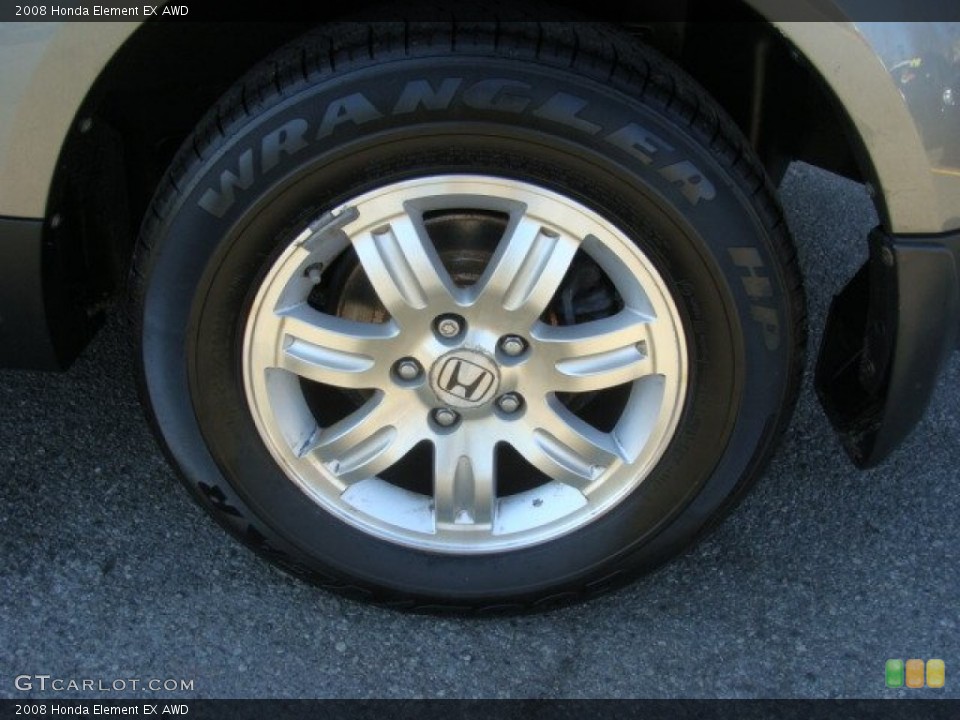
pixel 575 108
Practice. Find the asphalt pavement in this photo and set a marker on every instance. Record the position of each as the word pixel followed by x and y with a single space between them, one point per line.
pixel 110 572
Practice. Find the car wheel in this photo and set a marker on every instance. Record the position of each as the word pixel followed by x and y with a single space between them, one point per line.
pixel 471 317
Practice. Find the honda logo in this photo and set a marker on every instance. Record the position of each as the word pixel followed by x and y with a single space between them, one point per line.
pixel 465 379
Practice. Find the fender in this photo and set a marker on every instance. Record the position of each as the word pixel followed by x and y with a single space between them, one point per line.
pixel 915 189
pixel 48 69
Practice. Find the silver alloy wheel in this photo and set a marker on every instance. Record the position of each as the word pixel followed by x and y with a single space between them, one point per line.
pixel 467 368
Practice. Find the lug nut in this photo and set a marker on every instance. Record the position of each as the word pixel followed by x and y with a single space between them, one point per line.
pixel 408 369
pixel 510 402
pixel 445 417
pixel 314 273
pixel 449 327
pixel 512 345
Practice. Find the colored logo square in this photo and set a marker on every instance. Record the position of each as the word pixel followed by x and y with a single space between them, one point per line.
pixel 894 673
pixel 936 673
pixel 914 673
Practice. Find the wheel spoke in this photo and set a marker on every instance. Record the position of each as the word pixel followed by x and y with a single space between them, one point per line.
pixel 563 446
pixel 367 441
pixel 403 267
pixel 526 271
pixel 598 354
pixel 464 480
pixel 331 350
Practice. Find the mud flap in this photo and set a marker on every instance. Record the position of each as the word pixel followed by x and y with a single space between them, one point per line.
pixel 888 335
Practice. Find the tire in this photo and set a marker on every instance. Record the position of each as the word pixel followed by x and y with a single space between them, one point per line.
pixel 479 317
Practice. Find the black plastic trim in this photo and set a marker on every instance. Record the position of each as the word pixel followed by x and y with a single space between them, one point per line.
pixel 41 326
pixel 888 335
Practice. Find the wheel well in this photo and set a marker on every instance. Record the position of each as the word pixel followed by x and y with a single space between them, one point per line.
pixel 166 76
pixel 134 119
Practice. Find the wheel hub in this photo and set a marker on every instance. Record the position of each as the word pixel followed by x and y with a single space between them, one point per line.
pixel 465 378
